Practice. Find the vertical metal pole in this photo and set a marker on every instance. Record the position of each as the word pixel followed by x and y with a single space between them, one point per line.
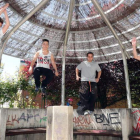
pixel 72 2
pixel 124 53
pixel 3 45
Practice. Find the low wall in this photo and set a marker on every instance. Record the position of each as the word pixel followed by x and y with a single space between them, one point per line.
pixel 136 120
pixel 40 136
pixel 43 137
pixel 26 118
pixel 101 119
pixel 104 119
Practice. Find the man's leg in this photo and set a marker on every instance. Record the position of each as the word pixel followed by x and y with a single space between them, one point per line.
pixel 48 77
pixel 92 98
pixel 84 98
pixel 37 73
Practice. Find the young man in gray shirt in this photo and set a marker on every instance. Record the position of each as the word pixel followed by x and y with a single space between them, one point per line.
pixel 88 84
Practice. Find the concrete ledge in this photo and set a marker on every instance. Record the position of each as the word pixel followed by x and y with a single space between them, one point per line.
pixel 98 133
pixel 76 132
pixel 14 132
pixel 134 137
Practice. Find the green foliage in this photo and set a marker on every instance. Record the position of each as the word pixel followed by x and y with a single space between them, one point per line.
pixel 11 91
pixel 8 90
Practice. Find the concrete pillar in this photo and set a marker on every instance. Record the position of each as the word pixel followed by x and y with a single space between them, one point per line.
pixel 3 116
pixel 126 120
pixel 59 123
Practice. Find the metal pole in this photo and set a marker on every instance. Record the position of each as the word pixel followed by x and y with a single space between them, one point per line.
pixel 72 2
pixel 42 3
pixel 124 53
pixel 110 26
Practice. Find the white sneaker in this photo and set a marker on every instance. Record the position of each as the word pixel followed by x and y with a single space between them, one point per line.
pixel 87 112
pixel 91 112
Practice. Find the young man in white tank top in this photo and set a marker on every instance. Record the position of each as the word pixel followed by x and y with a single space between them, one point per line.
pixel 43 58
pixel 7 24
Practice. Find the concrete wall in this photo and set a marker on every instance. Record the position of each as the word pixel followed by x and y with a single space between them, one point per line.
pixel 42 136
pixel 136 120
pixel 2 123
pixel 101 119
pixel 90 137
pixel 26 118
pixel 105 119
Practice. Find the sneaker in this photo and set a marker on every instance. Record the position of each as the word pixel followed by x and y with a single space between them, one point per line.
pixel 87 112
pixel 91 112
pixel 44 92
pixel 37 89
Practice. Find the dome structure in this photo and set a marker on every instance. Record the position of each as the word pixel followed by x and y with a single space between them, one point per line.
pixel 88 30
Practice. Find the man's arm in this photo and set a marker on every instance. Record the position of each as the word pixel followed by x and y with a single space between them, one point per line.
pixel 134 43
pixel 6 26
pixel 33 62
pixel 54 65
pixel 2 9
pixel 79 67
pixel 77 74
pixel 99 75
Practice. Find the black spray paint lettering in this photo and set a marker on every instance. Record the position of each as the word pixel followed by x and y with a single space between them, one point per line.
pixel 26 118
pixel 110 118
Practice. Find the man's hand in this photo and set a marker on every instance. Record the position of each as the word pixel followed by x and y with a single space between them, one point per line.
pixel 134 42
pixel 97 80
pixel 30 70
pixel 56 73
pixel 6 5
pixel 77 78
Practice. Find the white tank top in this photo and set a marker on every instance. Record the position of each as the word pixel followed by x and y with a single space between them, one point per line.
pixel 1 33
pixel 43 60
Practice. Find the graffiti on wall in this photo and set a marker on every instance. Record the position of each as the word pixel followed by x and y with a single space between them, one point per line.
pixel 108 119
pixel 137 127
pixel 13 119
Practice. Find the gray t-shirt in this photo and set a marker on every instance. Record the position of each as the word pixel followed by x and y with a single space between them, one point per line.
pixel 88 70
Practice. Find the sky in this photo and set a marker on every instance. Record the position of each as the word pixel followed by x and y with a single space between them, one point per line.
pixel 11 65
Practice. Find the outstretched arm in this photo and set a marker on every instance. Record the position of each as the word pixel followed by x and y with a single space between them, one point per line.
pixel 33 62
pixel 6 26
pixel 2 9
pixel 54 65
pixel 134 44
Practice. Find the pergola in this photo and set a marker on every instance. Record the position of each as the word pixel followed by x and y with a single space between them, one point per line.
pixel 73 27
